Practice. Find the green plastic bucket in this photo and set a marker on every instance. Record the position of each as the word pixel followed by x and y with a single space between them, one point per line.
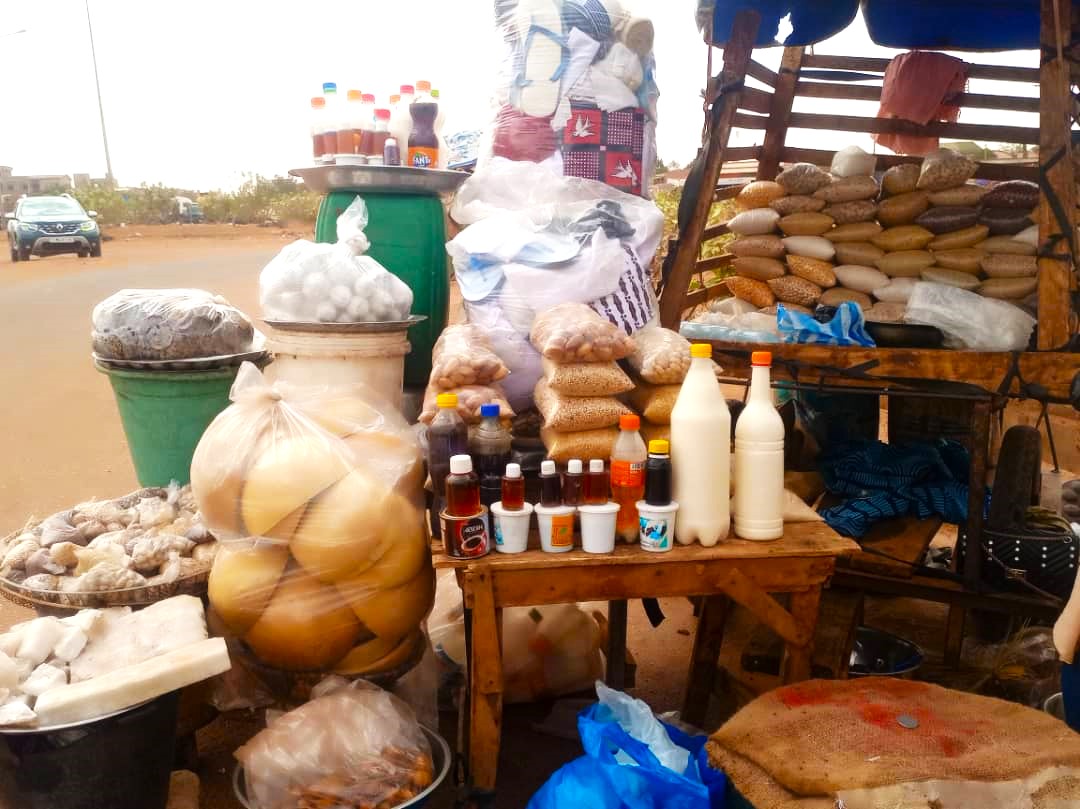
pixel 164 414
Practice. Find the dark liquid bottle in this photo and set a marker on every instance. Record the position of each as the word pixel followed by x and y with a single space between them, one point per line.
pixel 490 448
pixel 658 474
pixel 513 488
pixel 550 488
pixel 573 480
pixel 597 483
pixel 423 152
pixel 462 488
pixel 447 436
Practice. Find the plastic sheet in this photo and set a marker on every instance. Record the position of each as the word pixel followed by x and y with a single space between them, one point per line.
pixel 846 328
pixel 354 746
pixel 168 324
pixel 316 496
pixel 969 320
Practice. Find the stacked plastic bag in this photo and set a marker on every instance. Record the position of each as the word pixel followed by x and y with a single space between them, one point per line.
pixel 659 362
pixel 576 91
pixel 463 363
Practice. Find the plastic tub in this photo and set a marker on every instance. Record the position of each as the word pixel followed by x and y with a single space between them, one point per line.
pixel 556 524
pixel 328 357
pixel 511 528
pixel 877 653
pixel 119 762
pixel 657 526
pixel 164 414
pixel 598 527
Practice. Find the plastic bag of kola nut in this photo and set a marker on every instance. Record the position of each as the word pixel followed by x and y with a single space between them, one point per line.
pixel 316 495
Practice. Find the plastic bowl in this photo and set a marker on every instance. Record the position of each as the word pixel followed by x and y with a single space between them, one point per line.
pixel 440 757
pixel 882 654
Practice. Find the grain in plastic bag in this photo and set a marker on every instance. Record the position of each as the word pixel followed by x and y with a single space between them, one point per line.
pixel 571 414
pixel 654 402
pixel 660 356
pixel 463 356
pixel 316 494
pixel 169 324
pixel 561 447
pixel 586 378
pixel 573 332
pixel 354 745
pixel 470 399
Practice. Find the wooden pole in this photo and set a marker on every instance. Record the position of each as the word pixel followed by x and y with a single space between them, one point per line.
pixel 737 53
pixel 780 113
pixel 1057 203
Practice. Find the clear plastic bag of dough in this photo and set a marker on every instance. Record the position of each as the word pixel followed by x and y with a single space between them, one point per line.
pixel 573 332
pixel 463 356
pixel 661 356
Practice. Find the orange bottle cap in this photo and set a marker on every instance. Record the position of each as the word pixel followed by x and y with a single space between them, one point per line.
pixel 423 87
pixel 761 358
pixel 629 422
pixel 394 99
pixel 318 102
pixel 355 95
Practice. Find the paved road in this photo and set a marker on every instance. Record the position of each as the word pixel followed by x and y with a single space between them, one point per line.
pixel 60 439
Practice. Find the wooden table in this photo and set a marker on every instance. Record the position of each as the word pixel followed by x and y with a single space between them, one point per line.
pixel 799 564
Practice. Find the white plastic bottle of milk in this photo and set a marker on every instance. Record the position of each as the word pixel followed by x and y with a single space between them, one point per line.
pixel 759 459
pixel 701 454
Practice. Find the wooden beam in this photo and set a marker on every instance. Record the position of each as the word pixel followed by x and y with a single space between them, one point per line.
pixel 705 294
pixel 872 65
pixel 742 153
pixel 1057 222
pixel 940 129
pixel 713 231
pixel 755 100
pixel 986 171
pixel 721 115
pixel 862 92
pixel 779 113
pixel 756 70
pixel 714 263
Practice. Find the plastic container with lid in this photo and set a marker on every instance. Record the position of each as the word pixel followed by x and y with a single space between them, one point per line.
pixel 657 512
pixel 597 488
pixel 513 488
pixel 423 141
pixel 332 114
pixel 367 122
pixel 550 487
pixel 489 445
pixel 400 123
pixel 628 458
pixel 572 492
pixel 381 131
pixel 701 453
pixel 349 125
pixel 759 459
pixel 440 120
pixel 318 128
pixel 462 488
pixel 447 436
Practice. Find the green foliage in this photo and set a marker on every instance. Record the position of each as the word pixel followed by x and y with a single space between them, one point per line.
pixel 109 204
pixel 667 200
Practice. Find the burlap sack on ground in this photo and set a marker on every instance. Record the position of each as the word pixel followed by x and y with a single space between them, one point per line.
pixel 820 738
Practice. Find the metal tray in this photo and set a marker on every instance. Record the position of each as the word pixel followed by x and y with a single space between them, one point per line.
pixel 347 328
pixel 388 179
pixel 256 354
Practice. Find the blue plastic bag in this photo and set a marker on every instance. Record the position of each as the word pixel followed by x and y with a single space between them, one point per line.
pixel 598 781
pixel 847 327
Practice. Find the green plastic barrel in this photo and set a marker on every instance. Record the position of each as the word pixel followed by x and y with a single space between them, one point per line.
pixel 408 236
pixel 164 414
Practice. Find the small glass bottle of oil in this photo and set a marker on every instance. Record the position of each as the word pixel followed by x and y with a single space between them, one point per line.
pixel 513 488
pixel 597 483
pixel 462 488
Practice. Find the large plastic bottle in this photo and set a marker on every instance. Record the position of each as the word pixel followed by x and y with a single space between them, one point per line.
pixel 701 454
pixel 350 124
pixel 367 123
pixel 332 113
pixel 759 459
pixel 400 118
pixel 489 446
pixel 318 127
pixel 423 150
pixel 628 458
pixel 440 119
pixel 447 436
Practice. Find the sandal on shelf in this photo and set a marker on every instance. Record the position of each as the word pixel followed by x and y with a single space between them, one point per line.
pixel 542 57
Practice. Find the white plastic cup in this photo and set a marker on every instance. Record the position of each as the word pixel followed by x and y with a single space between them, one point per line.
pixel 556 525
pixel 511 528
pixel 656 526
pixel 598 527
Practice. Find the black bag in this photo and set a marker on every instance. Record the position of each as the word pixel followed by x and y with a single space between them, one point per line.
pixel 1027 560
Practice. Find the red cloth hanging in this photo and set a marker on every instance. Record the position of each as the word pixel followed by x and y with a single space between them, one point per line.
pixel 919 87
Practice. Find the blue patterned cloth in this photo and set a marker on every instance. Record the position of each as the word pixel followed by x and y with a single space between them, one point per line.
pixel 845 329
pixel 882 481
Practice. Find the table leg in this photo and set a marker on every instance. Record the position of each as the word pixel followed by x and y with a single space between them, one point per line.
pixel 980 439
pixel 616 646
pixel 485 682
pixel 703 660
pixel 797 659
pixel 954 635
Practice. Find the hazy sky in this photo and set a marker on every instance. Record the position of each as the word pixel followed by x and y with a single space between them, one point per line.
pixel 197 93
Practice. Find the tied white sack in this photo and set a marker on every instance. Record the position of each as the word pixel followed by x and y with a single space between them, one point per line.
pixel 333 283
pixel 969 320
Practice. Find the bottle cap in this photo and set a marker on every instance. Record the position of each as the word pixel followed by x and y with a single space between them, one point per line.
pixel 547 467
pixel 423 86
pixel 761 358
pixel 382 115
pixel 629 422
pixel 435 94
pixel 368 98
pixel 574 466
pixel 318 102
pixel 395 98
pixel 355 95
pixel 596 465
pixel 460 464
pixel 329 87
pixel 487 410
pixel 513 470
pixel 703 350
pixel 407 90
pixel 658 446
pixel 446 400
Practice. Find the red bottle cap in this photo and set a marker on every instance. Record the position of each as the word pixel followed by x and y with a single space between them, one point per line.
pixel 761 358
pixel 407 90
pixel 318 102
pixel 629 422
pixel 382 115
pixel 369 98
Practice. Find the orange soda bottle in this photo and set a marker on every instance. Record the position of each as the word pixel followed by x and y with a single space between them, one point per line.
pixel 628 460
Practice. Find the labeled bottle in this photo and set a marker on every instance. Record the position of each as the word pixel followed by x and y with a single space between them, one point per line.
pixel 490 447
pixel 348 125
pixel 381 133
pixel 318 127
pixel 332 113
pixel 628 458
pixel 462 488
pixel 423 142
pixel 701 453
pixel 550 490
pixel 447 436
pixel 391 153
pixel 658 473
pixel 513 488
pixel 444 150
pixel 367 123
pixel 400 121
pixel 759 458
pixel 597 484
pixel 572 482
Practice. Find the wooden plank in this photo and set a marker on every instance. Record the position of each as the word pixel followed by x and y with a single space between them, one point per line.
pixel 754 69
pixel 905 539
pixel 714 263
pixel 985 369
pixel 616 645
pixel 986 171
pixel 743 591
pixel 705 294
pixel 737 153
pixel 804 609
pixel 745 120
pixel 722 193
pixel 485 681
pixel 862 92
pixel 708 640
pixel 779 113
pixel 720 117
pixel 713 231
pixel 939 129
pixel 980 431
pixel 873 65
pixel 1056 168
pixel 755 100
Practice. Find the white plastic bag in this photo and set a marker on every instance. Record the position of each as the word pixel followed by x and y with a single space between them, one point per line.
pixel 637 719
pixel 969 320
